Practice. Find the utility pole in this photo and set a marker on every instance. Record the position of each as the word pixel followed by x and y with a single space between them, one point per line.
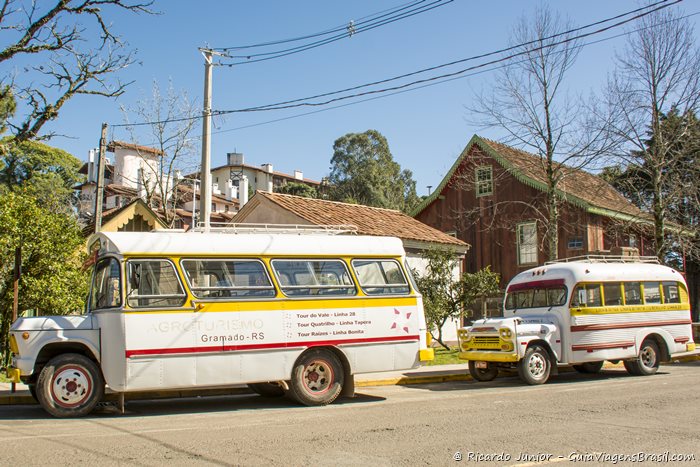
pixel 100 179
pixel 205 171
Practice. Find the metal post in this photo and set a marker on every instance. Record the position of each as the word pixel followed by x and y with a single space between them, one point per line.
pixel 15 301
pixel 99 194
pixel 18 273
pixel 204 174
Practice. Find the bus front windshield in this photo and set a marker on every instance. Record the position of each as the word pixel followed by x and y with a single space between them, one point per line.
pixel 106 285
pixel 524 296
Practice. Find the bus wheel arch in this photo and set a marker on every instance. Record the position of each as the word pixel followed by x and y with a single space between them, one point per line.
pixel 318 376
pixel 54 349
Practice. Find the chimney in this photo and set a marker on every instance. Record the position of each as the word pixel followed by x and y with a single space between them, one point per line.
pixel 243 194
pixel 298 175
pixel 215 189
pixel 267 168
pixel 228 189
pixel 91 166
pixel 235 158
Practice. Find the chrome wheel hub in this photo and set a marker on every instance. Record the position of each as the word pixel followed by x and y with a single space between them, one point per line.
pixel 70 386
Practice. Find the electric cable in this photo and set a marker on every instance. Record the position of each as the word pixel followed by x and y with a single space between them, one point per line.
pixel 299 102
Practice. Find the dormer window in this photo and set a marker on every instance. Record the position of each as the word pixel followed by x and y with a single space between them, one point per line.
pixel 484 180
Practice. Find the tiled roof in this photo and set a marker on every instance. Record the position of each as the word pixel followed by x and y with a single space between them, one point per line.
pixel 369 220
pixel 577 187
pixel 124 145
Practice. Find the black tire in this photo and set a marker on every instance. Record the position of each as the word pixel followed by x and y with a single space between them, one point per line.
pixel 317 378
pixel 534 368
pixel 648 360
pixel 267 389
pixel 589 367
pixel 483 374
pixel 70 385
pixel 32 391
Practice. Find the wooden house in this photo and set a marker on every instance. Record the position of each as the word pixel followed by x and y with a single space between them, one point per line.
pixel 495 199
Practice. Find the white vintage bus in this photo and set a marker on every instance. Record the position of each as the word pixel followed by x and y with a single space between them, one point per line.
pixel 582 312
pixel 295 313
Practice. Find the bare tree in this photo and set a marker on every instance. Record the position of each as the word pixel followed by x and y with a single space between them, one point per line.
pixel 530 102
pixel 657 76
pixel 68 48
pixel 171 117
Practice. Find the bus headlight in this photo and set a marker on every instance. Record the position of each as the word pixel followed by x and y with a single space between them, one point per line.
pixel 505 333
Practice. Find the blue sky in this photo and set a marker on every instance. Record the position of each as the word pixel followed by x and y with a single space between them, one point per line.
pixel 426 129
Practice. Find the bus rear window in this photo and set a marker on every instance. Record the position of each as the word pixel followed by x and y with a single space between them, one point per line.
pixel 535 296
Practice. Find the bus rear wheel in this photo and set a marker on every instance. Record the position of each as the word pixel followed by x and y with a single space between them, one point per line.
pixel 483 374
pixel 70 385
pixel 317 378
pixel 589 367
pixel 647 362
pixel 534 368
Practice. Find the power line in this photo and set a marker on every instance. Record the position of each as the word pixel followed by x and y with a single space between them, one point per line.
pixel 339 28
pixel 299 102
pixel 356 29
pixel 446 80
pixel 302 102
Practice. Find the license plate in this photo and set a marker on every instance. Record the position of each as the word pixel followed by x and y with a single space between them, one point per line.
pixel 482 365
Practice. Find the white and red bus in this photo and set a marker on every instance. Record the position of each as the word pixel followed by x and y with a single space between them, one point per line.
pixel 294 313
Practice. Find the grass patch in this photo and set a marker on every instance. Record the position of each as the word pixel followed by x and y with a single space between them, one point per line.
pixel 445 357
pixel 3 378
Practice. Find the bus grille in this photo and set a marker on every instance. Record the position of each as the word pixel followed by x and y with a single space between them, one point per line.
pixel 486 342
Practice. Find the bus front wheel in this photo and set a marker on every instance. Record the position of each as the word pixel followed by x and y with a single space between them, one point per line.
pixel 483 374
pixel 534 368
pixel 647 362
pixel 70 385
pixel 317 378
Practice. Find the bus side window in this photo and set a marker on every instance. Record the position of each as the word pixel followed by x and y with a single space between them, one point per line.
pixel 633 293
pixel 586 295
pixel 380 276
pixel 652 292
pixel 612 293
pixel 153 283
pixel 671 294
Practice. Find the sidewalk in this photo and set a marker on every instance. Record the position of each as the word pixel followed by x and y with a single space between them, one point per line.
pixel 422 375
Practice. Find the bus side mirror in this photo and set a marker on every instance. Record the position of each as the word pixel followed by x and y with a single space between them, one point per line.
pixel 134 277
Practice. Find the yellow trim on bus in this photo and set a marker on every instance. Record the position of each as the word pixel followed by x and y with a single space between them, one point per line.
pixel 489 356
pixel 286 304
pixel 610 310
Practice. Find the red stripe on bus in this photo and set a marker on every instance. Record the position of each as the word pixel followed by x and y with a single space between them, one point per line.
pixel 681 340
pixel 536 284
pixel 281 345
pixel 629 325
pixel 610 345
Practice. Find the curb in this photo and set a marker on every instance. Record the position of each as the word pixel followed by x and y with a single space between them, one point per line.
pixel 22 397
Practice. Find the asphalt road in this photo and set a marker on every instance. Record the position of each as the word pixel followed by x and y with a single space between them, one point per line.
pixel 590 419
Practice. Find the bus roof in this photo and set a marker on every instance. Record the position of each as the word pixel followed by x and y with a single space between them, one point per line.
pixel 203 243
pixel 585 271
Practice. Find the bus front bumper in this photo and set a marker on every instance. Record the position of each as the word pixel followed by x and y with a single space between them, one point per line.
pixel 489 356
pixel 13 374
pixel 426 355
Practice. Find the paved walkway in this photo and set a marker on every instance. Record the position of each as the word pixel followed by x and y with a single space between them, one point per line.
pixel 422 375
